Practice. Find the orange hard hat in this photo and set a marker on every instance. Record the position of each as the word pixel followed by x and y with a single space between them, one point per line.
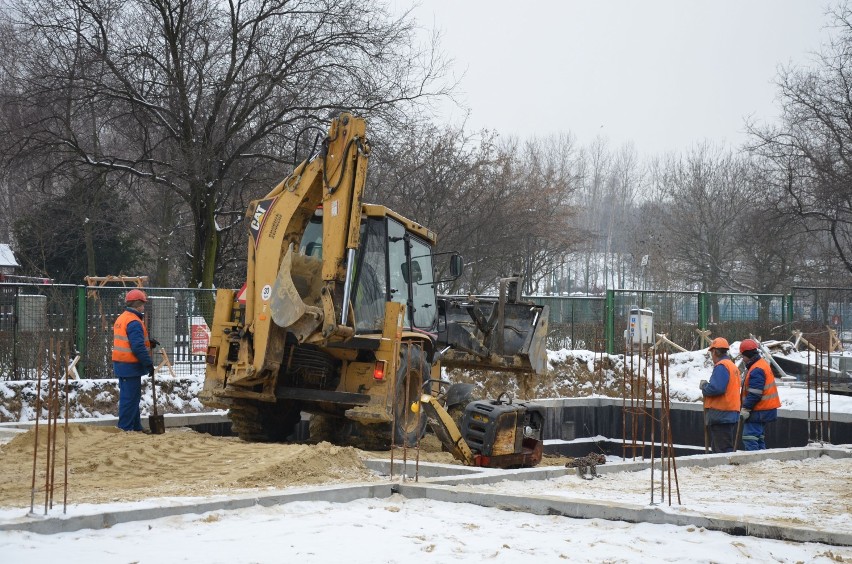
pixel 748 345
pixel 719 343
pixel 135 295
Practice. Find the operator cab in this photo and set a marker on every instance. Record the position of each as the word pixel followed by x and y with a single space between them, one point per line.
pixel 393 263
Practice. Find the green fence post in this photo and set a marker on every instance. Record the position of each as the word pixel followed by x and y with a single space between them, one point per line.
pixel 609 321
pixel 702 310
pixel 82 333
pixel 788 299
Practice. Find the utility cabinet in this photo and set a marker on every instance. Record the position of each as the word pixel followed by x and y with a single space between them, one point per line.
pixel 640 328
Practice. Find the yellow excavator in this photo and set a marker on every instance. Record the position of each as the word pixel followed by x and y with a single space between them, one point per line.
pixel 339 315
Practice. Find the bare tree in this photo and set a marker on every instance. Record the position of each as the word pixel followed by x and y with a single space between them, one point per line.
pixel 436 176
pixel 810 151
pixel 702 193
pixel 190 95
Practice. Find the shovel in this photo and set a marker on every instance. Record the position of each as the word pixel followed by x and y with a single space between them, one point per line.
pixel 156 423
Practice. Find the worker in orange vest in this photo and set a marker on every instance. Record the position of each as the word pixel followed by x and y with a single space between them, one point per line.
pixel 760 401
pixel 721 398
pixel 131 358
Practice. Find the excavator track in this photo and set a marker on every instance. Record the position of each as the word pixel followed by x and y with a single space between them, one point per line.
pixel 264 422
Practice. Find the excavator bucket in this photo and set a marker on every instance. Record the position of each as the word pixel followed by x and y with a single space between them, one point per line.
pixel 484 333
pixel 295 301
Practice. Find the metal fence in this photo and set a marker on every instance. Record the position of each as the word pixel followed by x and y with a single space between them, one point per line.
pixel 81 318
pixel 816 310
pixel 575 322
pixel 675 313
pixel 738 316
pixel 599 323
pixel 30 317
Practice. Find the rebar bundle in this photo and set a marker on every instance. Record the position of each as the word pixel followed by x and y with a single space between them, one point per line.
pixel 646 421
pixel 54 368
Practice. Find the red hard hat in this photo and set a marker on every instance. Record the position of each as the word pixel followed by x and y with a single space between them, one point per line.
pixel 748 345
pixel 135 295
pixel 719 343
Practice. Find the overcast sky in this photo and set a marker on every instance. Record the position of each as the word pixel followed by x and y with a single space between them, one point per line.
pixel 662 73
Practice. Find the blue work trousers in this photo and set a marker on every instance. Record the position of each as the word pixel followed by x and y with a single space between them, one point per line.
pixel 753 435
pixel 129 396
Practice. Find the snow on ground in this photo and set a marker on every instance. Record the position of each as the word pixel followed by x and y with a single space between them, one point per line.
pixel 814 492
pixel 397 530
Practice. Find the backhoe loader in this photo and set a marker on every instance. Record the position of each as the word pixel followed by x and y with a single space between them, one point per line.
pixel 339 315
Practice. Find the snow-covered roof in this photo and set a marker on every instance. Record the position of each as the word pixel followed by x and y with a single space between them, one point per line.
pixel 7 257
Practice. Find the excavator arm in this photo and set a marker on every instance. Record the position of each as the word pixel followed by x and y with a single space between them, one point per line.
pixel 288 291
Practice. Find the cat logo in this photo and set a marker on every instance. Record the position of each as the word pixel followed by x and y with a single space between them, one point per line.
pixel 258 218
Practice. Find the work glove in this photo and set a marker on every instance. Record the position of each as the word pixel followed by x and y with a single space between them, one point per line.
pixel 154 343
pixel 701 385
pixel 744 413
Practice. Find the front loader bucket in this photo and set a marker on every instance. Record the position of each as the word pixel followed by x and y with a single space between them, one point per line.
pixel 483 334
pixel 295 303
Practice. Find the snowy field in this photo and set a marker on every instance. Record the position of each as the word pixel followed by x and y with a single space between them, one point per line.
pixel 396 530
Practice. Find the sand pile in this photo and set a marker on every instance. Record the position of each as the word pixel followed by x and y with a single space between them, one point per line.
pixel 107 465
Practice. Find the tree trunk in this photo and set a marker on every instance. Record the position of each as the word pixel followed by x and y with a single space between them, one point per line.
pixel 205 247
pixel 91 269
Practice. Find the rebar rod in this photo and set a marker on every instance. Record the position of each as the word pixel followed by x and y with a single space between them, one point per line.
pixel 828 407
pixel 808 379
pixel 39 368
pixel 648 355
pixel 55 410
pixel 624 409
pixel 65 481
pixel 653 396
pixel 405 408
pixel 671 438
pixel 49 405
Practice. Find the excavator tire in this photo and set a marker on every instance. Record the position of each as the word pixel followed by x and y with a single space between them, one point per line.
pixel 327 428
pixel 340 431
pixel 261 422
pixel 410 425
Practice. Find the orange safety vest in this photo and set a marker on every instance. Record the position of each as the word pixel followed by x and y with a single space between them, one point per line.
pixel 121 351
pixel 769 395
pixel 730 400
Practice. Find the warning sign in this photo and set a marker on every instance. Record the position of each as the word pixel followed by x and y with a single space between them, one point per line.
pixel 199 335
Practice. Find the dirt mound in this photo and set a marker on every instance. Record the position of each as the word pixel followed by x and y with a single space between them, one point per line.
pixel 575 375
pixel 108 465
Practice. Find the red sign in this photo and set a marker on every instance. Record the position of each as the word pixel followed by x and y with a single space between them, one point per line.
pixel 241 295
pixel 200 336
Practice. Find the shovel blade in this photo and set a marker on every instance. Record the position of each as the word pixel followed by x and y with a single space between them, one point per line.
pixel 296 294
pixel 157 424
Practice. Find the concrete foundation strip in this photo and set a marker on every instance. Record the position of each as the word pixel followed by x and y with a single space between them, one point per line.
pixel 103 520
pixel 585 509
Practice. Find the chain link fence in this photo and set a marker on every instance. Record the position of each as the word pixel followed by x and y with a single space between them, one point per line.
pixel 675 313
pixel 738 316
pixel 816 311
pixel 34 319
pixel 575 322
pixel 38 320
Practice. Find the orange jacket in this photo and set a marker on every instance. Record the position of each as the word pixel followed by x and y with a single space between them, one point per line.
pixel 769 394
pixel 121 351
pixel 730 400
